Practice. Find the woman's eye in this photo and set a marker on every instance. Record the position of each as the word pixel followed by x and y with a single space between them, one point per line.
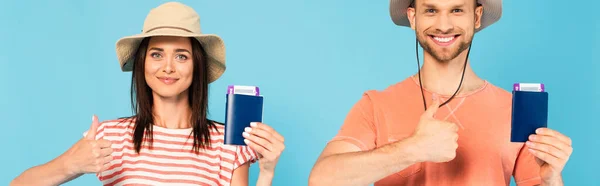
pixel 182 57
pixel 156 55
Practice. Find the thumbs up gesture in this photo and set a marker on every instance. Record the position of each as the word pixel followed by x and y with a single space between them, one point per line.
pixel 89 155
pixel 437 140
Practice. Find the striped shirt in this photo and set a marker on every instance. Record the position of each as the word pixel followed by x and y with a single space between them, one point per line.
pixel 171 160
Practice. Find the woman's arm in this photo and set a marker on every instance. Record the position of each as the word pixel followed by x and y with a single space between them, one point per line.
pixel 240 177
pixel 54 172
pixel 269 145
pixel 88 155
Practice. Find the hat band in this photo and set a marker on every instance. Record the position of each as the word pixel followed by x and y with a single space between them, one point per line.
pixel 172 27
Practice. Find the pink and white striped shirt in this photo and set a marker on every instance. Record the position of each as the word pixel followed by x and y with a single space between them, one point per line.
pixel 171 160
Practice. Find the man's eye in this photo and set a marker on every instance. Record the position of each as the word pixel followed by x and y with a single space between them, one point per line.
pixel 457 10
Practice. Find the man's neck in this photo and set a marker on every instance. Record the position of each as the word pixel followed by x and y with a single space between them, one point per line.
pixel 443 78
pixel 173 112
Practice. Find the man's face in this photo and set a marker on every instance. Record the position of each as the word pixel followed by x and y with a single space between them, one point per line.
pixel 445 28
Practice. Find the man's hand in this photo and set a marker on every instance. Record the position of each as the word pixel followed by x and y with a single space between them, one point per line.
pixel 435 139
pixel 552 151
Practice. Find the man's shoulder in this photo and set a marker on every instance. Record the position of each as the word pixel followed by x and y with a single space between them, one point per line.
pixel 404 92
pixel 494 97
pixel 497 92
pixel 399 89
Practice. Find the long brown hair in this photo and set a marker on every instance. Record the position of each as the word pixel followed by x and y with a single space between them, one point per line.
pixel 142 100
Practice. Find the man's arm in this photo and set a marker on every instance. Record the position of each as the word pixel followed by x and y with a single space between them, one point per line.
pixel 556 182
pixel 342 163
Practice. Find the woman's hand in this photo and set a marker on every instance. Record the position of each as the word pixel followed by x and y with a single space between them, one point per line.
pixel 267 143
pixel 88 155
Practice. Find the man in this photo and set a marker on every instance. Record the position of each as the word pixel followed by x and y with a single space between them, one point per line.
pixel 388 138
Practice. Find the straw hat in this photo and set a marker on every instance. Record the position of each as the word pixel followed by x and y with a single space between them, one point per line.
pixel 174 19
pixel 492 11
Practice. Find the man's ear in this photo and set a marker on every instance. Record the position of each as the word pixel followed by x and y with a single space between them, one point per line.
pixel 410 13
pixel 478 13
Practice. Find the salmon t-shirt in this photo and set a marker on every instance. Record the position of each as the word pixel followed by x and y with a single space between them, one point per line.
pixel 485 155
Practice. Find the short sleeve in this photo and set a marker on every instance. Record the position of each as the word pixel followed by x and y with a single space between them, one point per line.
pixel 359 126
pixel 527 170
pixel 244 154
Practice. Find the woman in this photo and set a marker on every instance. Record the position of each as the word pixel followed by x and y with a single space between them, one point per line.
pixel 169 140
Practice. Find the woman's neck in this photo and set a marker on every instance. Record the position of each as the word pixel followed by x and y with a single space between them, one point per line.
pixel 173 113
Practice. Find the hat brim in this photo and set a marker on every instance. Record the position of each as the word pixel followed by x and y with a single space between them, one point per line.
pixel 492 11
pixel 213 46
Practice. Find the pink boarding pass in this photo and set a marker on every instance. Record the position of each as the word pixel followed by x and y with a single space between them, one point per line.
pixel 242 89
pixel 530 87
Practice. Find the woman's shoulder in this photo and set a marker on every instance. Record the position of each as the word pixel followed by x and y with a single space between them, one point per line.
pixel 218 129
pixel 113 125
pixel 119 123
pixel 217 124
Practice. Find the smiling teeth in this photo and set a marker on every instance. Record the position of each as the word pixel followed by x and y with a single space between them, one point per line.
pixel 443 39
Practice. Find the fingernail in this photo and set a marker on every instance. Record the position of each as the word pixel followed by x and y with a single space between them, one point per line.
pixel 93 117
pixel 245 134
pixel 253 124
pixel 532 137
pixel 531 150
pixel 248 129
pixel 529 143
pixel 246 141
pixel 537 131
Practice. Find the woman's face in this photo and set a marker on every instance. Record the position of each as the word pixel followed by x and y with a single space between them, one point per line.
pixel 169 66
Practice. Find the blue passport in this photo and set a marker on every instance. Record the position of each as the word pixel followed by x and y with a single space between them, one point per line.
pixel 240 111
pixel 529 112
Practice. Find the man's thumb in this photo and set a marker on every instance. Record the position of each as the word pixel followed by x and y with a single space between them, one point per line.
pixel 91 134
pixel 433 107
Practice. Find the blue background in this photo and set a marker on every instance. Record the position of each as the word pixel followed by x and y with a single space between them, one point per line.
pixel 312 59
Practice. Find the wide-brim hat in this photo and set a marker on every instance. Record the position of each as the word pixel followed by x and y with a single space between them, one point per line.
pixel 174 19
pixel 492 11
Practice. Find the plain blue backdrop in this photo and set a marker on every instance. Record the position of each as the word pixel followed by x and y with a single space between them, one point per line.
pixel 312 60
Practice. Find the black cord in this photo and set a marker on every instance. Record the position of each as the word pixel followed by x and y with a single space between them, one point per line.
pixel 421 85
pixel 419 70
